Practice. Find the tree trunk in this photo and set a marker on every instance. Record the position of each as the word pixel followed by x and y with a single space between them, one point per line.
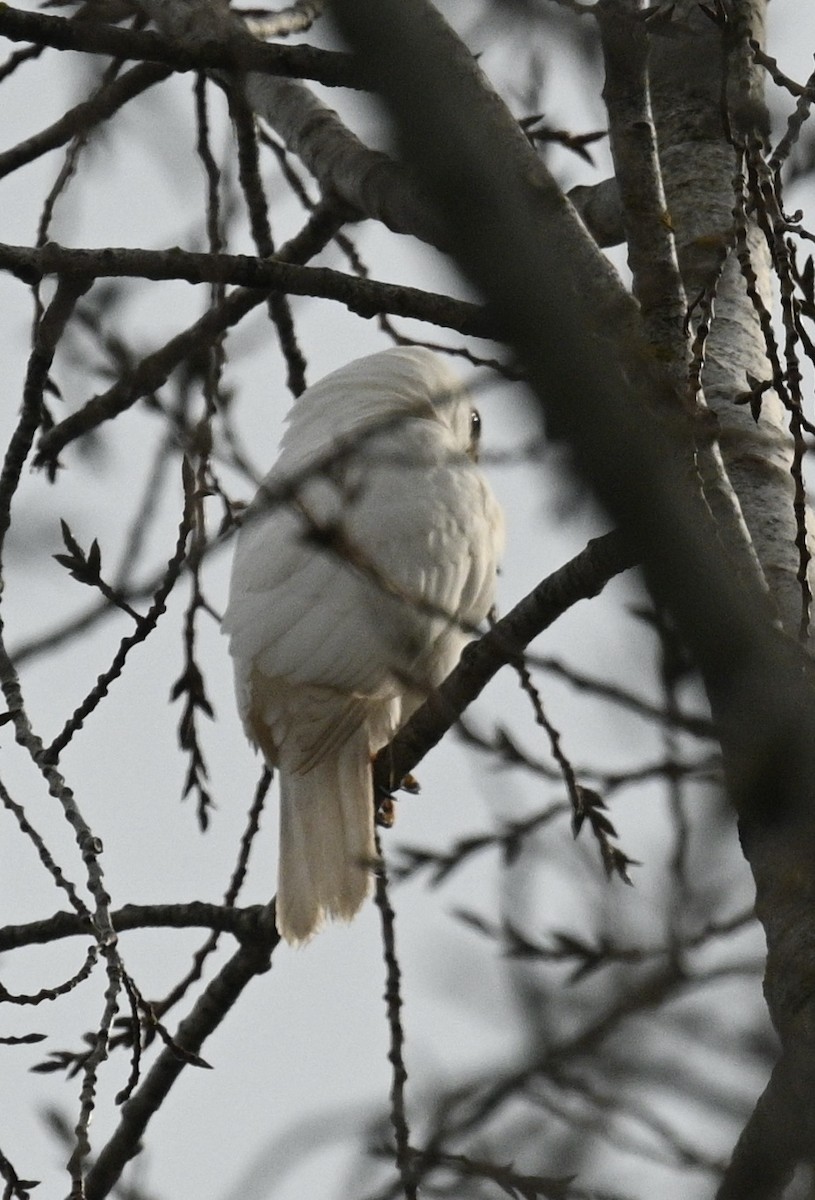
pixel 691 75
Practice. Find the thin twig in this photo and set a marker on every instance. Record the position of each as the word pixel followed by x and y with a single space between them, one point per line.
pixel 145 627
pixel 396 1056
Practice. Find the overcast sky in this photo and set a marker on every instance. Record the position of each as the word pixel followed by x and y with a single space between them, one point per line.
pixel 301 1063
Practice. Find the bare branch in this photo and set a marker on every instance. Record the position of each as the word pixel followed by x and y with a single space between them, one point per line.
pixel 145 626
pixel 396 1056
pixel 584 576
pixel 237 54
pixel 194 914
pixel 366 297
pixel 651 251
pixel 84 116
pixel 251 960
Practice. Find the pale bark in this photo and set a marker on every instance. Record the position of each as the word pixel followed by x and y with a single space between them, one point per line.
pixel 698 167
pixel 295 19
pixel 344 166
pixel 652 256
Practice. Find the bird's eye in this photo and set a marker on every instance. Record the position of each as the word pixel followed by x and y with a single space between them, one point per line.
pixel 475 426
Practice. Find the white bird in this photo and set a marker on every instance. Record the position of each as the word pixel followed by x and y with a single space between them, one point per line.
pixel 363 563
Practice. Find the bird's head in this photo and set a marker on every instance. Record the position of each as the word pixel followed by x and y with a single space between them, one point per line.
pixel 376 394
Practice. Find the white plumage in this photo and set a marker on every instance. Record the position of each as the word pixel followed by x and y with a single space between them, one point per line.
pixel 351 601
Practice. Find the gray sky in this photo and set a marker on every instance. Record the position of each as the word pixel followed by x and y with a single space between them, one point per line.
pixel 304 1053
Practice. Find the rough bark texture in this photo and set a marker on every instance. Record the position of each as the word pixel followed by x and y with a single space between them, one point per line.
pixel 652 257
pixel 698 167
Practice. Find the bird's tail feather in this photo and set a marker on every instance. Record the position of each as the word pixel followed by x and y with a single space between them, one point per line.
pixel 326 840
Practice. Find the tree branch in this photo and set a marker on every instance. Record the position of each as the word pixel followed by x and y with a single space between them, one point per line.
pixel 253 958
pixel 194 915
pixel 584 576
pixel 690 85
pixel 238 53
pixel 81 117
pixel 657 283
pixel 366 297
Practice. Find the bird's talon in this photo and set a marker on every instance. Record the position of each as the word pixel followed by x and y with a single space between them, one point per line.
pixel 410 784
pixel 385 812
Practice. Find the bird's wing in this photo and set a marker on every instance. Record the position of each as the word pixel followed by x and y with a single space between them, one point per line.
pixel 309 667
pixel 434 533
pixel 422 544
pixel 294 611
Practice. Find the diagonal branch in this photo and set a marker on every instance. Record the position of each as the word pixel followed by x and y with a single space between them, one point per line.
pixel 250 960
pixel 584 576
pixel 82 117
